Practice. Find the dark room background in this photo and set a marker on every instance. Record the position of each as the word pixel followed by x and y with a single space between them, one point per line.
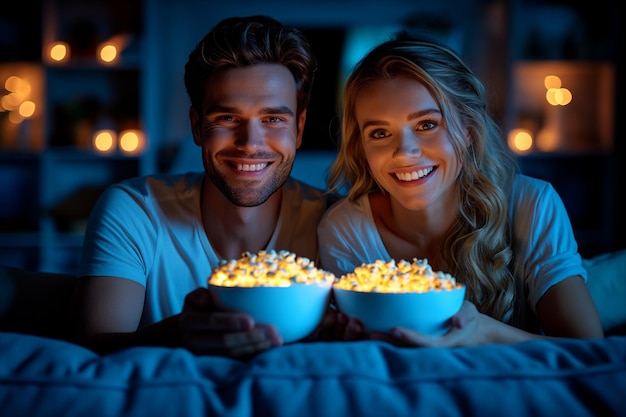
pixel 52 107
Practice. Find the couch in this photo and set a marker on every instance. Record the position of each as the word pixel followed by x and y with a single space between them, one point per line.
pixel 43 374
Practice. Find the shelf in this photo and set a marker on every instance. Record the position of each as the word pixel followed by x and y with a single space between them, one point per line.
pixel 585 183
pixel 19 192
pixel 51 175
pixel 71 153
pixel 582 123
pixel 19 240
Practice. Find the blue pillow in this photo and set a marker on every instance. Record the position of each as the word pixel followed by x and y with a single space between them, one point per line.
pixel 607 284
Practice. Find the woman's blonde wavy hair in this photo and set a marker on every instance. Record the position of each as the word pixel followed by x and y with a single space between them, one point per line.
pixel 478 247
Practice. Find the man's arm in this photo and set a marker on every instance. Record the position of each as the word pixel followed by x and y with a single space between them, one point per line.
pixel 105 314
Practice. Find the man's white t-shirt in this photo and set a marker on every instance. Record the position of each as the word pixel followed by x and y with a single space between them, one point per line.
pixel 545 250
pixel 149 230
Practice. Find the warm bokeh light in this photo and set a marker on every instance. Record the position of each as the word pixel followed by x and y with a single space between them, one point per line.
pixel 568 106
pixel 559 96
pixel 59 51
pixel 21 106
pixel 552 81
pixel 131 141
pixel 27 109
pixel 108 53
pixel 547 140
pixel 555 95
pixel 19 89
pixel 104 140
pixel 9 102
pixel 13 83
pixel 15 117
pixel 520 140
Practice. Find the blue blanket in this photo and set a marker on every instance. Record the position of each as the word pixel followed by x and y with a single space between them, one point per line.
pixel 47 377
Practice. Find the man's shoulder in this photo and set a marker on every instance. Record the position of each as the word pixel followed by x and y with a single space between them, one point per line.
pixel 149 184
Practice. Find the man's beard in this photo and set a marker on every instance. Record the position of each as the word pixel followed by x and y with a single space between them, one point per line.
pixel 248 197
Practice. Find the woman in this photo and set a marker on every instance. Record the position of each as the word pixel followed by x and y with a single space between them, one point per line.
pixel 428 175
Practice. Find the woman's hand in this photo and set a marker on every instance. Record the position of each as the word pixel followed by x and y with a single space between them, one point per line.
pixel 465 330
pixel 207 329
pixel 336 327
pixel 468 327
pixel 463 326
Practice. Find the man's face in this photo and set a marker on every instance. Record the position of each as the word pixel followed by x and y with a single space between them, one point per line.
pixel 248 131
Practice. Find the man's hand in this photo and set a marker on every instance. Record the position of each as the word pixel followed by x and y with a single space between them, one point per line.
pixel 208 329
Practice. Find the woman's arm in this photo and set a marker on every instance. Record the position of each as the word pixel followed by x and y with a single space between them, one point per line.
pixel 567 310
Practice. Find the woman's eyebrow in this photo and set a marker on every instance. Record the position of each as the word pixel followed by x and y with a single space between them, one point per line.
pixel 422 113
pixel 411 116
pixel 375 123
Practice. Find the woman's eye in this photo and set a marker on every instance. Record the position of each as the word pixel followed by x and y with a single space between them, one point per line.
pixel 427 125
pixel 378 134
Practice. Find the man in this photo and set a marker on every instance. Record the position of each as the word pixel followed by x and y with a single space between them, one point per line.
pixel 152 242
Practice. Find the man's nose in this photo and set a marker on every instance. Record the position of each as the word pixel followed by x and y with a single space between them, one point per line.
pixel 251 134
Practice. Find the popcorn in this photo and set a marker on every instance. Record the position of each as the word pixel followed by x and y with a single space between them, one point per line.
pixel 403 277
pixel 268 269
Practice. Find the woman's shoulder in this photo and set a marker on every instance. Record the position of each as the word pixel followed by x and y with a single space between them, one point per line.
pixel 527 183
pixel 346 208
pixel 346 214
pixel 531 194
pixel 526 187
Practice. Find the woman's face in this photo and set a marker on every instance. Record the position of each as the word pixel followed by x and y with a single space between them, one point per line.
pixel 407 146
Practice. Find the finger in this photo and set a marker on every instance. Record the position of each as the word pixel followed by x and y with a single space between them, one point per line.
pixel 354 330
pixel 339 329
pixel 385 337
pixel 198 299
pixel 401 336
pixel 261 333
pixel 331 328
pixel 236 344
pixel 203 344
pixel 216 321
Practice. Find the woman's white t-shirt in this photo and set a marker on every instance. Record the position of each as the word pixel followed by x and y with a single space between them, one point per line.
pixel 545 249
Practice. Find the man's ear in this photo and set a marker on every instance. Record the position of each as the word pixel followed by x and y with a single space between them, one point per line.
pixel 301 122
pixel 194 119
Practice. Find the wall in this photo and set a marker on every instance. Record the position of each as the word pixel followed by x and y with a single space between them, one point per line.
pixel 491 35
pixel 173 31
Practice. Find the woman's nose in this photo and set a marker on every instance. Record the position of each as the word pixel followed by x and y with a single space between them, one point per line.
pixel 408 143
